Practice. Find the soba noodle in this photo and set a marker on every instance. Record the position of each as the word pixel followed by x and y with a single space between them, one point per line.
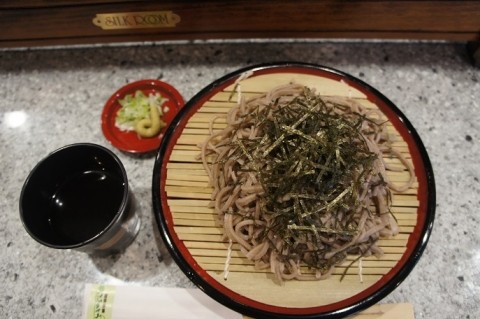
pixel 299 180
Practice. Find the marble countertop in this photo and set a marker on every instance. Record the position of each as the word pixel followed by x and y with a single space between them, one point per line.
pixel 51 97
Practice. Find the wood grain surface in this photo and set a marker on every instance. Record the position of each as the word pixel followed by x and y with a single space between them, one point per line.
pixel 50 22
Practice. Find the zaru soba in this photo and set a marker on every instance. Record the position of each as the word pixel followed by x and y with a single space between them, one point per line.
pixel 300 180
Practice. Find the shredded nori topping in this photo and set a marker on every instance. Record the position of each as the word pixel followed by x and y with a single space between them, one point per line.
pixel 312 161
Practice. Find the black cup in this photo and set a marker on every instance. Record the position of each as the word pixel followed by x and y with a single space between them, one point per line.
pixel 78 197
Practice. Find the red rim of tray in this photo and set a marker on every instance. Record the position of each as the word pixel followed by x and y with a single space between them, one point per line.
pixel 247 306
pixel 130 141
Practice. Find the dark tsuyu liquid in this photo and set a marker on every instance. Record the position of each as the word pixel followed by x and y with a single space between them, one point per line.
pixel 85 204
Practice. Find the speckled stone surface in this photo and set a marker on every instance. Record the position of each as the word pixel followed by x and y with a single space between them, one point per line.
pixel 61 93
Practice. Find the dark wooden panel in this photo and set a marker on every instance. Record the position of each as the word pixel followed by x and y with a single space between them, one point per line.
pixel 449 20
pixel 54 3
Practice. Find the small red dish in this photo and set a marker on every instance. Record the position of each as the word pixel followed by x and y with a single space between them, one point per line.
pixel 130 141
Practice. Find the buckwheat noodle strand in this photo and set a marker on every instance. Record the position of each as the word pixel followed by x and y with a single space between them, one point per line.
pixel 289 186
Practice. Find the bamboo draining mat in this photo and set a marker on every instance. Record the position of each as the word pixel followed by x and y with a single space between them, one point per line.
pixel 188 195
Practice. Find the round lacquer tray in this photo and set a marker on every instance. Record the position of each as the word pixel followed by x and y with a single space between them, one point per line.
pixel 181 197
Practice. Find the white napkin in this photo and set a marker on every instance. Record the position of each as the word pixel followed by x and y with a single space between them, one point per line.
pixel 126 302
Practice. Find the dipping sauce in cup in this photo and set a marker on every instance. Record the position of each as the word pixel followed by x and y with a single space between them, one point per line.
pixel 78 197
